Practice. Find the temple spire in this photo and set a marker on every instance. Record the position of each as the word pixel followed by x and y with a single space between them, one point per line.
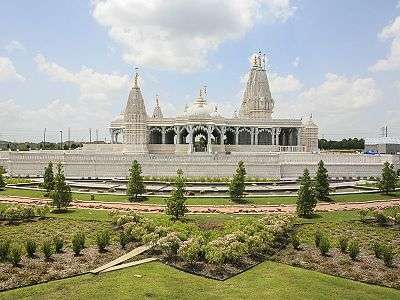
pixel 135 83
pixel 157 113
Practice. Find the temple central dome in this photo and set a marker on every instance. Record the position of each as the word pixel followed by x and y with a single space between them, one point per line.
pixel 199 108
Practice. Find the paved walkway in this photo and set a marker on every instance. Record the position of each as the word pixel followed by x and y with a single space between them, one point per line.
pixel 237 209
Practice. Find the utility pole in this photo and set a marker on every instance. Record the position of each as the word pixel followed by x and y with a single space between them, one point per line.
pixel 90 135
pixel 61 139
pixel 44 139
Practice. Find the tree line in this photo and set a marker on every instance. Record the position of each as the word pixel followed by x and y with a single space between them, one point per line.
pixel 344 144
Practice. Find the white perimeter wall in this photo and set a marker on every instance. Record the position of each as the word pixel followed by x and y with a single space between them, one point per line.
pixel 272 165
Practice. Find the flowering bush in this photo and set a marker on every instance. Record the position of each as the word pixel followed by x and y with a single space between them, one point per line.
pixel 191 250
pixel 170 244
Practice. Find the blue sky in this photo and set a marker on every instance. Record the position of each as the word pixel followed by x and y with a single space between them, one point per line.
pixel 70 63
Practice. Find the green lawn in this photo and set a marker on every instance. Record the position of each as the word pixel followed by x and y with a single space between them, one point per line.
pixel 268 280
pixel 204 201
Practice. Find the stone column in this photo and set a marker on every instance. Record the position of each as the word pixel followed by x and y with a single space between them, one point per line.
pixel 190 135
pixel 163 135
pixel 277 133
pixel 256 136
pixel 252 136
pixel 178 134
pixel 236 136
pixel 112 136
pixel 299 132
pixel 222 133
pixel 290 140
pixel 209 134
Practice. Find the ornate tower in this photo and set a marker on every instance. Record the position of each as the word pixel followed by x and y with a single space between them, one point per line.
pixel 157 113
pixel 257 101
pixel 135 117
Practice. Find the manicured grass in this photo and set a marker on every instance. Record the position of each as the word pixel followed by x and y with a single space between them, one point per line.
pixel 204 201
pixel 268 280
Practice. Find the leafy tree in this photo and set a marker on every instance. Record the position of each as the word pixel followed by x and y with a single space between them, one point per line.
pixel 48 178
pixel 2 181
pixel 176 207
pixel 135 184
pixel 61 195
pixel 322 183
pixel 306 200
pixel 237 185
pixel 389 178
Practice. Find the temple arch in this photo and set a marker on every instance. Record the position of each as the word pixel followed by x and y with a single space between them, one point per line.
pixel 244 136
pixel 155 136
pixel 264 137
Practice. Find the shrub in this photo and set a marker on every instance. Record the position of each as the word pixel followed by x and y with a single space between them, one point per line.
pixel 363 215
pixel 381 218
pixel 15 254
pixel 190 251
pixel 295 242
pixel 150 238
pixel 42 211
pixel 324 245
pixel 317 238
pixel 378 249
pixel 103 239
pixel 30 247
pixel 47 249
pixel 354 249
pixel 170 243
pixel 343 243
pixel 123 239
pixel 388 255
pixel 256 244
pixel 78 243
pixel 58 244
pixel 4 249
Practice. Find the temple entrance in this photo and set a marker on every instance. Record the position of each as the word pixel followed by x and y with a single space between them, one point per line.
pixel 200 140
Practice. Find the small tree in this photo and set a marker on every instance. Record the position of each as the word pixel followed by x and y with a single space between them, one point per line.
pixel 61 195
pixel 306 200
pixel 48 178
pixel 176 207
pixel 389 177
pixel 322 183
pixel 135 184
pixel 2 181
pixel 237 185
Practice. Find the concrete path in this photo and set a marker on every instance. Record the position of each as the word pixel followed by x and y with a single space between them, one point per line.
pixel 121 259
pixel 131 264
pixel 237 209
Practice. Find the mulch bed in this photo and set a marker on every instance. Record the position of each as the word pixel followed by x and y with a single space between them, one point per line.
pixel 37 270
pixel 366 268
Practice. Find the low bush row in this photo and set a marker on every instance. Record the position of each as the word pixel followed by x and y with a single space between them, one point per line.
pixel 350 247
pixel 204 179
pixel 382 217
pixel 15 213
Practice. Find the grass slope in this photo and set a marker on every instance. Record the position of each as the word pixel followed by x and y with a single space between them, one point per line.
pixel 268 280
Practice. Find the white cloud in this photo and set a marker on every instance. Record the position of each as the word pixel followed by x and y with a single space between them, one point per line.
pixel 392 60
pixel 7 70
pixel 14 46
pixel 178 34
pixel 284 84
pixel 341 94
pixel 296 62
pixel 92 84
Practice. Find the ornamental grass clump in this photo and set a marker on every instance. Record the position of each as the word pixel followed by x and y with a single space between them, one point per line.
pixel 317 238
pixel 123 239
pixel 78 242
pixel 388 255
pixel 378 249
pixel 103 239
pixel 380 217
pixel 324 245
pixel 4 249
pixel 47 249
pixel 58 244
pixel 15 255
pixel 343 244
pixel 30 248
pixel 354 250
